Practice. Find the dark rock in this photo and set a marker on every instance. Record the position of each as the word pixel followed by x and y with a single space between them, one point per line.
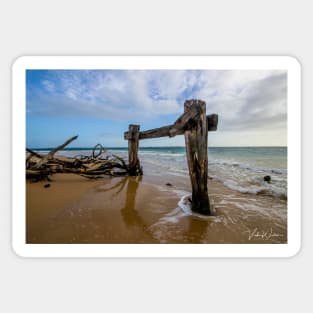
pixel 267 178
pixel 46 185
pixel 169 184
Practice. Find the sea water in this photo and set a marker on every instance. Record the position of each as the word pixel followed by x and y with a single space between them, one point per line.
pixel 238 168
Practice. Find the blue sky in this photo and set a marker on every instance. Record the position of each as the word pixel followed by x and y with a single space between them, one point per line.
pixel 98 105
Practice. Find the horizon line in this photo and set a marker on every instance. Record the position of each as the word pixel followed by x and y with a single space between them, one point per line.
pixel 125 147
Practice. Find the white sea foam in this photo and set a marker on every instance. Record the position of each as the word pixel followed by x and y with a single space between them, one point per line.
pixel 233 185
pixel 239 176
pixel 265 189
pixel 184 204
pixel 182 210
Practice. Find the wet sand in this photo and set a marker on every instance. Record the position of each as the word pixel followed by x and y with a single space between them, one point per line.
pixel 145 210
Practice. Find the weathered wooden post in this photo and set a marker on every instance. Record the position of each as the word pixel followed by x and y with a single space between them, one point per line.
pixel 194 124
pixel 133 144
pixel 196 138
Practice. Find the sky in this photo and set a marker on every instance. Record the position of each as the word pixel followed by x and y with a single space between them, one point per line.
pixel 98 105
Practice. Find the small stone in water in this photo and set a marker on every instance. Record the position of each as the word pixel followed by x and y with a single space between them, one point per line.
pixel 169 184
pixel 46 185
pixel 267 178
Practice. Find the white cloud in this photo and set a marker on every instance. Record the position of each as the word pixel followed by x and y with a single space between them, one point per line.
pixel 243 99
pixel 246 99
pixel 48 85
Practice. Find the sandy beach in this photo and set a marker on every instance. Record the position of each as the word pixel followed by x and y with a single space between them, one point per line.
pixel 145 209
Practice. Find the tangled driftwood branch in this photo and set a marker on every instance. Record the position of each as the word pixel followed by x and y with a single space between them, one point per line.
pixel 39 167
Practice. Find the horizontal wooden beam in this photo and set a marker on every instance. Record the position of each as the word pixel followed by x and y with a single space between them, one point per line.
pixel 152 133
pixel 212 121
pixel 156 132
pixel 178 128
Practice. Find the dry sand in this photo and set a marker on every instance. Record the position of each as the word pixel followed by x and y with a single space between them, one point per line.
pixel 144 209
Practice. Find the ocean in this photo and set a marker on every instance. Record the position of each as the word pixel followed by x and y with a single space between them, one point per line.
pixel 238 168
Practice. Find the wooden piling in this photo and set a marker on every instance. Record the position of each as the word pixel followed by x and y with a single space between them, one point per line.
pixel 196 138
pixel 133 144
pixel 194 124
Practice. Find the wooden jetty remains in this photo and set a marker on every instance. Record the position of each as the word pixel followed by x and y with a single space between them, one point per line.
pixel 194 124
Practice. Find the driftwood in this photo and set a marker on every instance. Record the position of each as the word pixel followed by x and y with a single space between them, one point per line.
pixel 33 153
pixel 101 150
pixel 51 154
pixel 40 167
